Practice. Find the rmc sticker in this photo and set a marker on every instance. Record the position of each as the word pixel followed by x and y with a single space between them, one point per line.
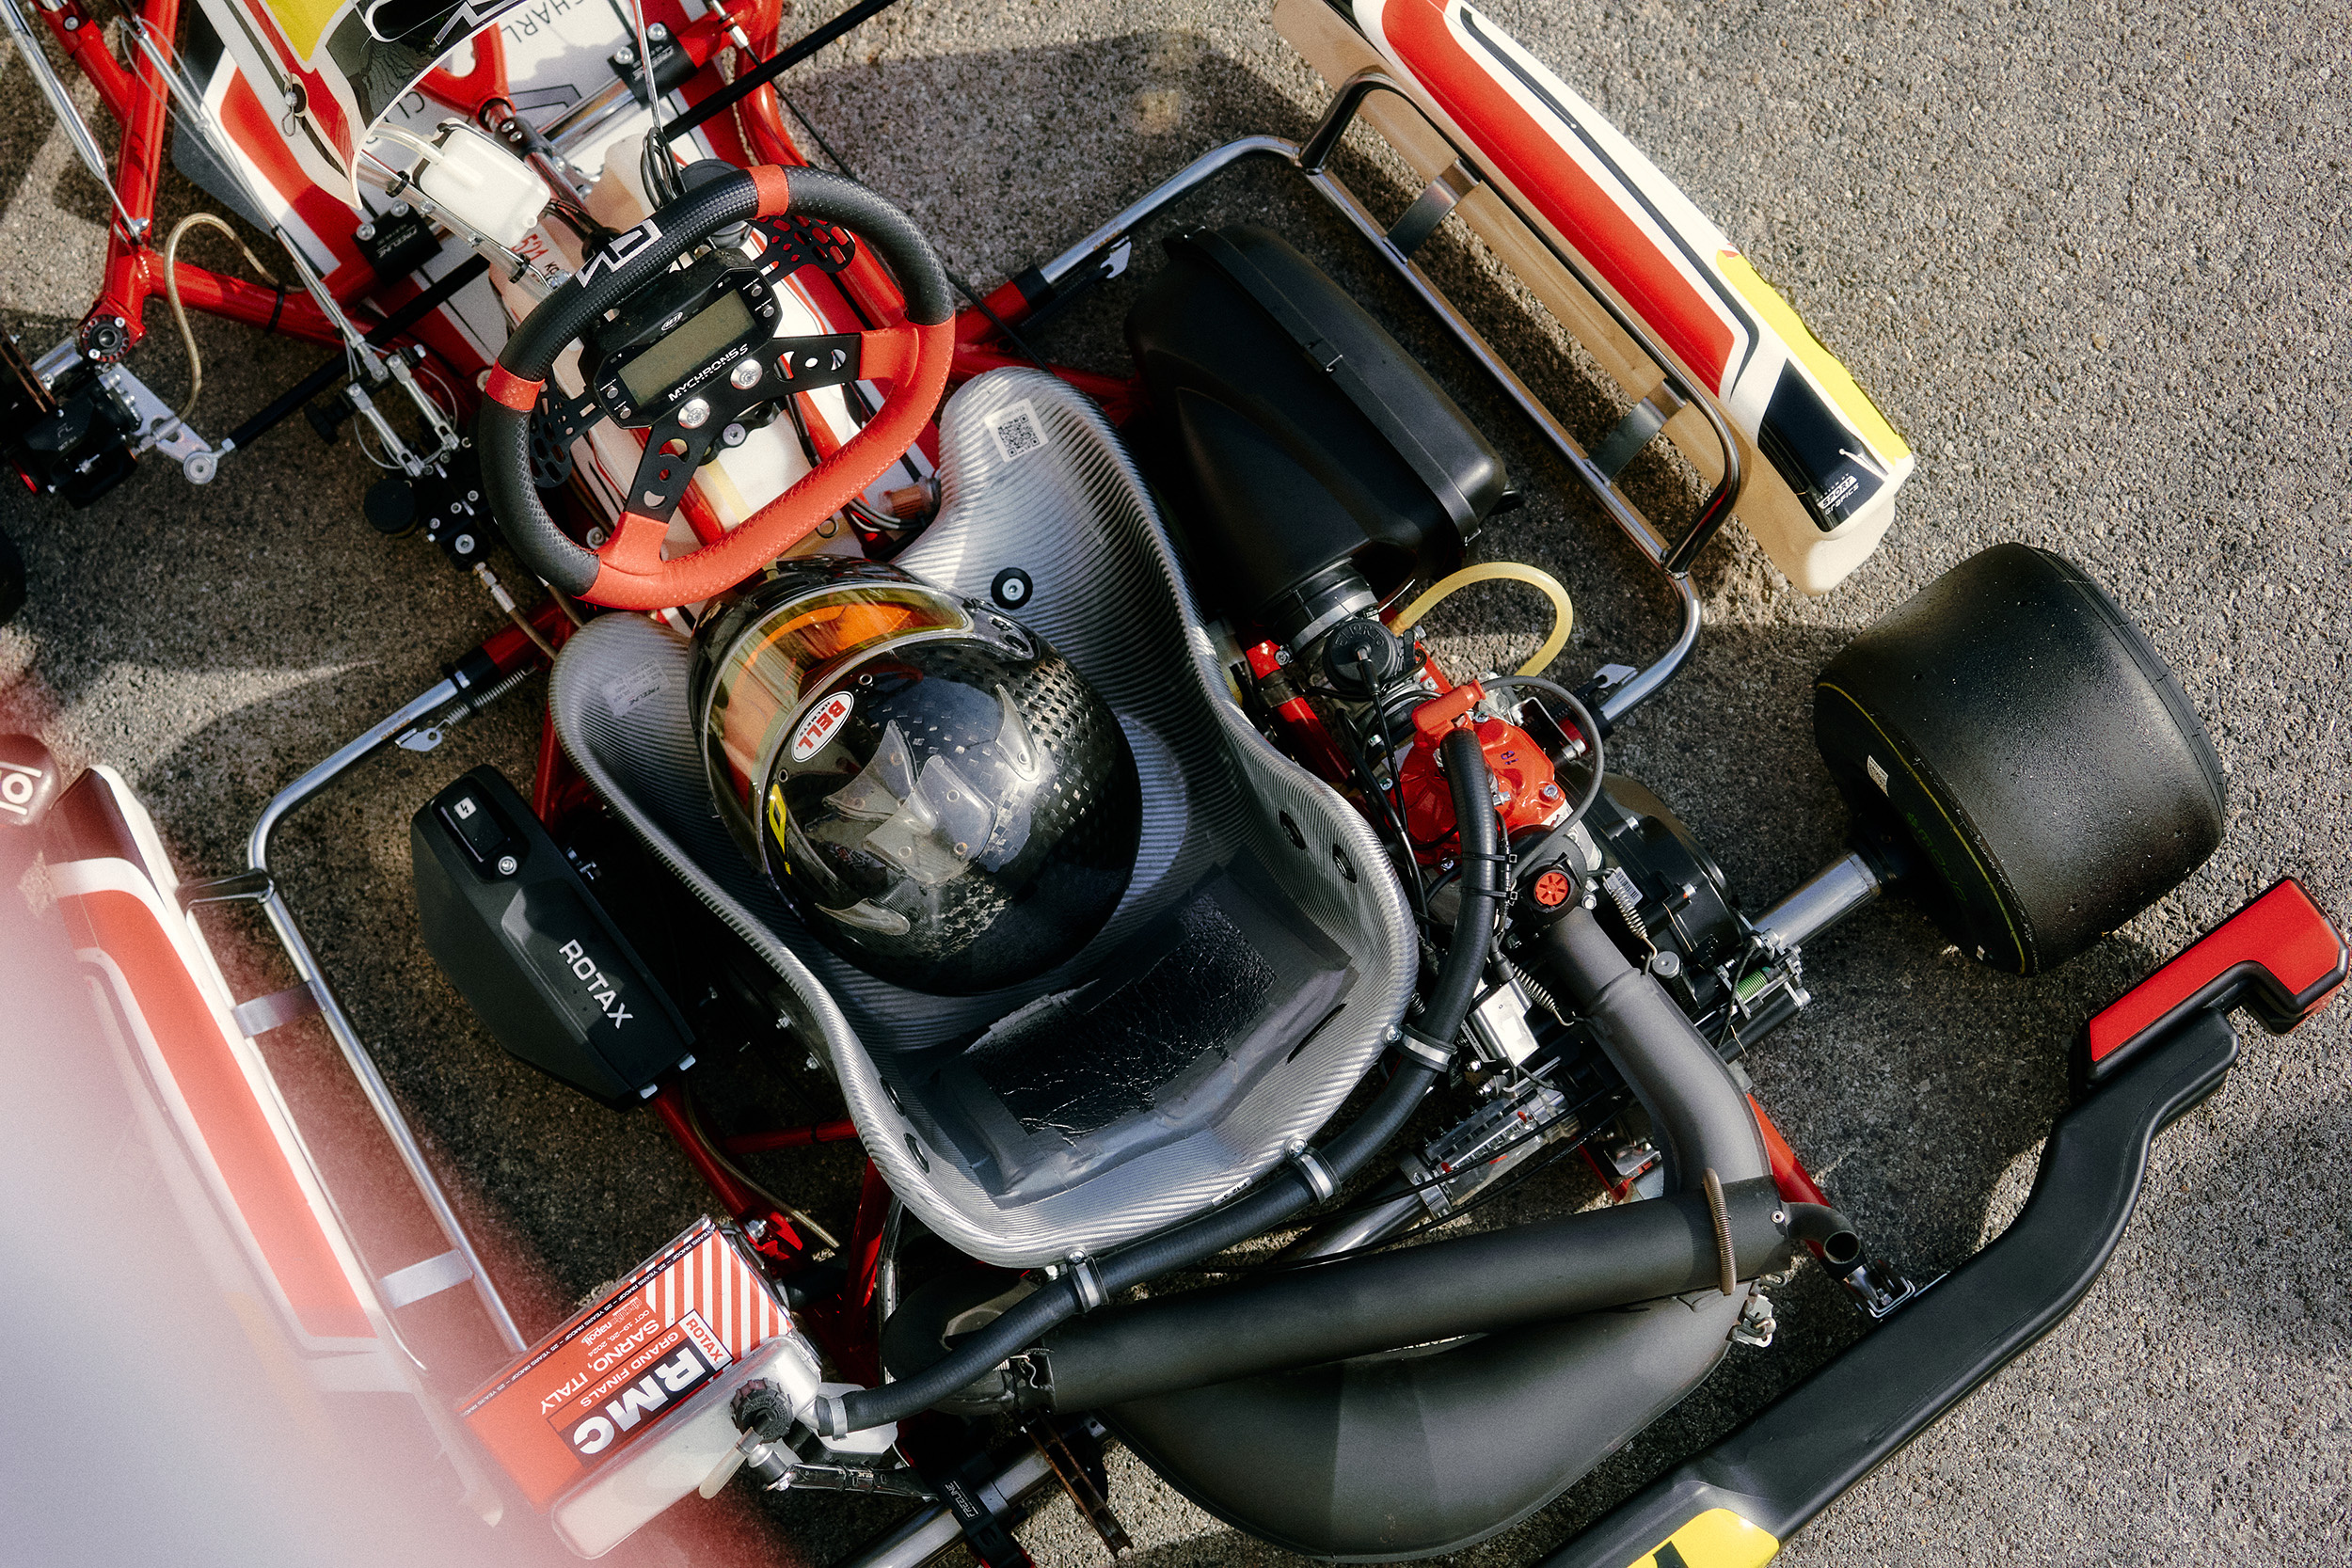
pixel 625 1366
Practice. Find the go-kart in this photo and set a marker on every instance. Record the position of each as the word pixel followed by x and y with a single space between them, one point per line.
pixel 1384 939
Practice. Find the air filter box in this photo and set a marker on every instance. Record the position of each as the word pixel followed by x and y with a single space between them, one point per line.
pixel 1291 433
pixel 522 938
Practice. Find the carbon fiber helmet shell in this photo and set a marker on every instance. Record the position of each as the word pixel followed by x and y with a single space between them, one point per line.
pixel 944 800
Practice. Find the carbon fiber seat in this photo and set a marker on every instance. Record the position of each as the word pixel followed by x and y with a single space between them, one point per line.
pixel 1244 983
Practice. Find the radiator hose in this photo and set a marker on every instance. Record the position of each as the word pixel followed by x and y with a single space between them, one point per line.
pixel 1292 1187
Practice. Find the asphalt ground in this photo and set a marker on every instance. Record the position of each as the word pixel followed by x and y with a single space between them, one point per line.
pixel 2089 260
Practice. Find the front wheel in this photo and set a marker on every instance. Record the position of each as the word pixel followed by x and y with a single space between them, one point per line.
pixel 2023 752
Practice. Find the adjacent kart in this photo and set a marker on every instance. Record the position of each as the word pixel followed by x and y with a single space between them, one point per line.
pixel 1059 766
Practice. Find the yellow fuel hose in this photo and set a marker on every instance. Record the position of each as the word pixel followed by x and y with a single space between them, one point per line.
pixel 1562 612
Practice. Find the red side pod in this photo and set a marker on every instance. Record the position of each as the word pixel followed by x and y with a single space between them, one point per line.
pixel 166 1007
pixel 2278 956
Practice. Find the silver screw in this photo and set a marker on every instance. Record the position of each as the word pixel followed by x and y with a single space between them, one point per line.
pixel 507 864
pixel 693 414
pixel 464 543
pixel 746 375
pixel 365 231
pixel 735 436
pixel 658 33
pixel 624 56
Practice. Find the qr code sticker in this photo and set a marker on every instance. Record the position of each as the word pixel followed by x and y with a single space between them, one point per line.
pixel 1018 431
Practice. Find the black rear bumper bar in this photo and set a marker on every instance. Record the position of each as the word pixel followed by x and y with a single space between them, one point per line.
pixel 2142 1062
pixel 1733 1505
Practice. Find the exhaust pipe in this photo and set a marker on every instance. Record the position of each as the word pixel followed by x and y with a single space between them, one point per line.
pixel 1487 1283
pixel 1480 1284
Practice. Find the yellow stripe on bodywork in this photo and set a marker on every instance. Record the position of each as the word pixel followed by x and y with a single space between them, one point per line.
pixel 1835 378
pixel 304 21
pixel 1716 1538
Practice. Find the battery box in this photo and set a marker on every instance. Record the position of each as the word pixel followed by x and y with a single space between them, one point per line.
pixel 626 1409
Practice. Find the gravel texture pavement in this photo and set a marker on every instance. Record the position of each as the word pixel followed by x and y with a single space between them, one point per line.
pixel 2089 259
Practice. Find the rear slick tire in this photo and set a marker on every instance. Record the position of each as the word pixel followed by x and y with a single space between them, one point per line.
pixel 2020 749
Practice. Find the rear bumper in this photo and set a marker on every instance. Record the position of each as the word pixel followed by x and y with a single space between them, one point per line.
pixel 2144 1061
pixel 1830 1431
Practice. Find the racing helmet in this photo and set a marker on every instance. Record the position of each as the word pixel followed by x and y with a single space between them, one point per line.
pixel 947 803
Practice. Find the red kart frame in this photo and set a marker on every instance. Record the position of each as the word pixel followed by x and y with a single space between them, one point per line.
pixel 138 99
pixel 862 295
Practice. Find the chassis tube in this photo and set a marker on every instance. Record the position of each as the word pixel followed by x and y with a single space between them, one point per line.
pixel 1821 901
pixel 443 695
pixel 76 129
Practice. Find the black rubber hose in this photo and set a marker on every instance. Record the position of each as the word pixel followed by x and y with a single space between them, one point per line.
pixel 1483 1283
pixel 1700 1117
pixel 1825 1227
pixel 1291 1188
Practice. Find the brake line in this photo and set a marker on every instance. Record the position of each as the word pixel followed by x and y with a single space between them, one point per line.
pixel 179 311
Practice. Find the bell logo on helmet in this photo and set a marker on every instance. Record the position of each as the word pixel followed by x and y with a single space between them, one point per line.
pixel 819 726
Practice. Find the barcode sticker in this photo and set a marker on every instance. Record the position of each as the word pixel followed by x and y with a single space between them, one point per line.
pixel 623 695
pixel 1017 430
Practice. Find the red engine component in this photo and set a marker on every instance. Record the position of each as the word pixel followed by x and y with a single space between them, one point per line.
pixel 1526 792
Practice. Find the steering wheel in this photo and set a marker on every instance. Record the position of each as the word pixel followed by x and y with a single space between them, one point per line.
pixel 628 572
